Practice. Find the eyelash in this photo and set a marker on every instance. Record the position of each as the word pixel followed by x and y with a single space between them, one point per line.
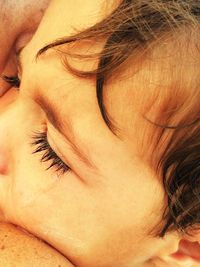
pixel 41 143
pixel 12 80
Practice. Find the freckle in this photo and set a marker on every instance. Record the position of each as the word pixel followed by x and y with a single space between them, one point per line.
pixel 2 247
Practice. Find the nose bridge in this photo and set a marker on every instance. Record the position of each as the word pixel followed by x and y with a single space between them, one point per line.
pixel 9 109
pixel 17 118
pixel 17 112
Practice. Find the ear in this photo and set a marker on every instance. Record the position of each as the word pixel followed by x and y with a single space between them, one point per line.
pixel 181 252
pixel 188 254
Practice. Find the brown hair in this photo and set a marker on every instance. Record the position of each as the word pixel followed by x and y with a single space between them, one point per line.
pixel 131 27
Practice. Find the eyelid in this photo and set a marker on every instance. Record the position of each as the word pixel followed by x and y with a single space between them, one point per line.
pixel 56 148
pixel 69 163
pixel 75 150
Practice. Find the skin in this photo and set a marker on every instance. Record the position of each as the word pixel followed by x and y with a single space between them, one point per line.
pixel 18 245
pixel 26 250
pixel 18 22
pixel 98 216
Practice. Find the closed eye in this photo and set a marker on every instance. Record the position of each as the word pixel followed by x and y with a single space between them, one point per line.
pixel 14 81
pixel 42 146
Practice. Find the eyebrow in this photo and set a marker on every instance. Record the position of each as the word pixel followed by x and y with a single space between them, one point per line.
pixel 54 116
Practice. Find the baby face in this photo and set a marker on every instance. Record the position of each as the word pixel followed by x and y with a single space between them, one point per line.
pixel 65 176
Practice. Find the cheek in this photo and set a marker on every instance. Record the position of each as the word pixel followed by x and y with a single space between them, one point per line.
pixel 106 222
pixel 133 208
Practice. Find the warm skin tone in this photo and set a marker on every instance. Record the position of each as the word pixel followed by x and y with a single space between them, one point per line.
pixel 99 216
pixel 18 21
pixel 22 249
pixel 18 247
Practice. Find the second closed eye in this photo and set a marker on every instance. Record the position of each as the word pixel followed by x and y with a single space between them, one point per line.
pixel 14 81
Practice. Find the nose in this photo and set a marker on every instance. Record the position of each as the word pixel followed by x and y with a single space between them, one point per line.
pixel 8 98
pixel 17 115
pixel 7 122
pixel 5 101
